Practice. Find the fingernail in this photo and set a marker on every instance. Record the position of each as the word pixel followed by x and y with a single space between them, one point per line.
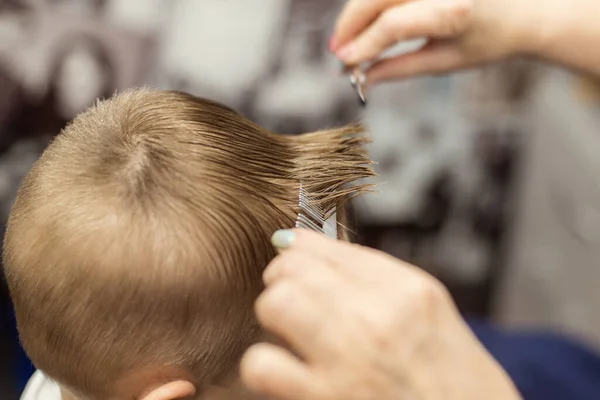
pixel 345 52
pixel 284 238
pixel 333 44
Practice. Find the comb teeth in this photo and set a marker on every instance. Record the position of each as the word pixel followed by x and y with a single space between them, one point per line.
pixel 313 210
pixel 312 216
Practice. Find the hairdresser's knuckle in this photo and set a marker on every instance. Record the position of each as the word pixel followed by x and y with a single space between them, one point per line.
pixel 274 268
pixel 254 367
pixel 290 258
pixel 274 303
pixel 463 8
pixel 371 261
pixel 456 15
pixel 289 264
pixel 381 325
pixel 388 25
pixel 376 255
pixel 413 301
pixel 428 295
pixel 278 261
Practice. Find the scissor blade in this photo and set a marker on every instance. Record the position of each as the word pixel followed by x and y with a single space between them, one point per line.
pixel 357 79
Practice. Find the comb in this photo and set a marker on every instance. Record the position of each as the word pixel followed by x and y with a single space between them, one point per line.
pixel 314 217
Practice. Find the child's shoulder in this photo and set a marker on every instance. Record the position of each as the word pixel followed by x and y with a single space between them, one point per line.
pixel 40 387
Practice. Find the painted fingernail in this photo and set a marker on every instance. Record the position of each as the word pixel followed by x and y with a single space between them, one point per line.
pixel 284 238
pixel 333 44
pixel 345 52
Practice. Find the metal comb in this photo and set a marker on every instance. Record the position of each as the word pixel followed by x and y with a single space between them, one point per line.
pixel 313 217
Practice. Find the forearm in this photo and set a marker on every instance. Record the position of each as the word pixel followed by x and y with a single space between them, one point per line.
pixel 568 34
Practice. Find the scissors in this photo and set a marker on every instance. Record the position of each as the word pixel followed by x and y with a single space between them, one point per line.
pixel 358 80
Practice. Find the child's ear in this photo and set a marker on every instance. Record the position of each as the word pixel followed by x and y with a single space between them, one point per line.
pixel 176 390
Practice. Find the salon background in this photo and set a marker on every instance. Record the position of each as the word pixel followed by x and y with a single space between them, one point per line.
pixel 489 178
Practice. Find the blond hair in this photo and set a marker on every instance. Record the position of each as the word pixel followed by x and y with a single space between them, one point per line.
pixel 139 238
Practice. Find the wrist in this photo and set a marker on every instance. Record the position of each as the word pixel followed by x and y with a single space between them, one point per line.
pixel 535 30
pixel 563 32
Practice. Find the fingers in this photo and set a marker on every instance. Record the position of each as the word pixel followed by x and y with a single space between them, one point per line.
pixel 346 258
pixel 359 264
pixel 304 310
pixel 332 250
pixel 356 16
pixel 292 263
pixel 417 19
pixel 432 59
pixel 272 371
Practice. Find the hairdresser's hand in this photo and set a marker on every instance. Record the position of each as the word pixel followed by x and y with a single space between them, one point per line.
pixel 464 33
pixel 363 325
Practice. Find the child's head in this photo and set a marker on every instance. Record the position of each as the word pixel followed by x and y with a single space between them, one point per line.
pixel 135 248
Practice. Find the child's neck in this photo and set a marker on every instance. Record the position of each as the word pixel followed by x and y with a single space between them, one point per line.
pixel 65 395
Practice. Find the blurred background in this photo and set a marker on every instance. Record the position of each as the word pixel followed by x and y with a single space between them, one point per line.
pixel 488 178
